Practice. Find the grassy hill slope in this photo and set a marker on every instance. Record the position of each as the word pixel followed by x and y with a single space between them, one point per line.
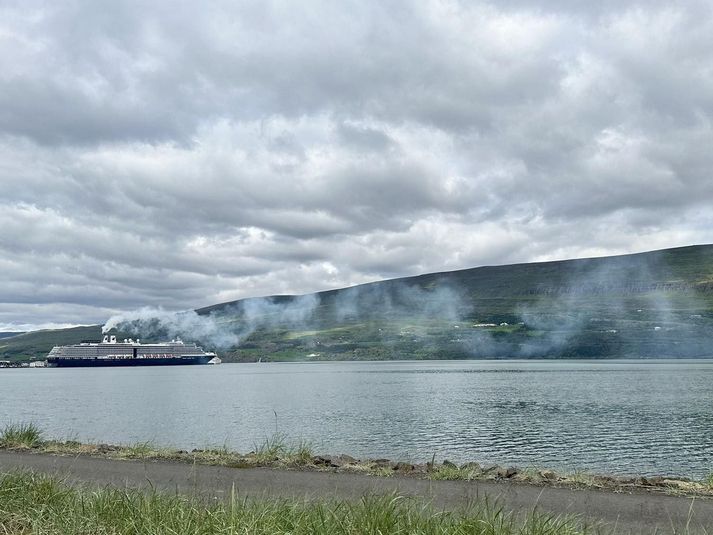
pixel 37 344
pixel 655 304
pixel 9 334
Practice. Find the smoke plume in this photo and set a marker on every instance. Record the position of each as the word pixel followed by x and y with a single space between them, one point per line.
pixel 219 331
pixel 158 323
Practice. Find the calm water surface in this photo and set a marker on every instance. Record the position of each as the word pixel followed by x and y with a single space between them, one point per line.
pixel 627 417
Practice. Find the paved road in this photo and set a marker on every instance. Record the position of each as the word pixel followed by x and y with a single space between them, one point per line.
pixel 636 513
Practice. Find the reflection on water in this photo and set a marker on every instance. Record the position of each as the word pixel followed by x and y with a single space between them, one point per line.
pixel 628 417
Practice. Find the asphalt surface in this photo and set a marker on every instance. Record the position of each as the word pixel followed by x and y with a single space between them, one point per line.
pixel 627 513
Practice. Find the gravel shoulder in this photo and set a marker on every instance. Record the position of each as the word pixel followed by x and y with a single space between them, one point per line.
pixel 626 512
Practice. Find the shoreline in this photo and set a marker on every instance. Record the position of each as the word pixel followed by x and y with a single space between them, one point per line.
pixel 24 363
pixel 278 453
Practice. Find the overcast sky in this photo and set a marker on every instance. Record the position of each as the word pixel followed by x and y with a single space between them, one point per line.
pixel 177 155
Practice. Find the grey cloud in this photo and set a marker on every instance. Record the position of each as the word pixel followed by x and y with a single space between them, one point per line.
pixel 31 316
pixel 365 138
pixel 130 72
pixel 161 155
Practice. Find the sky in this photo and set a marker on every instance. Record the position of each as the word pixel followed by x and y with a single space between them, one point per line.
pixel 180 154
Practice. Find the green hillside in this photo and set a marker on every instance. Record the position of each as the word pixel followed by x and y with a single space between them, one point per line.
pixel 37 344
pixel 9 334
pixel 655 304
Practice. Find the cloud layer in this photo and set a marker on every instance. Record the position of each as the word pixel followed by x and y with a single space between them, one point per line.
pixel 172 155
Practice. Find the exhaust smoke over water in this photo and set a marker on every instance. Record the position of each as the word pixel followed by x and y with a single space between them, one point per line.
pixel 226 327
pixel 158 323
pixel 219 331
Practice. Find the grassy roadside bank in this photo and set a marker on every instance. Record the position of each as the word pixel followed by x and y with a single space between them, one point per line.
pixel 279 452
pixel 32 503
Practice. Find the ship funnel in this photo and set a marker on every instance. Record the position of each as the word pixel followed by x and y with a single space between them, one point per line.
pixel 105 340
pixel 112 340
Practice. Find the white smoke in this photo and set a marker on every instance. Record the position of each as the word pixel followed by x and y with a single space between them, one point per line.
pixel 616 302
pixel 400 300
pixel 152 322
pixel 265 312
pixel 219 331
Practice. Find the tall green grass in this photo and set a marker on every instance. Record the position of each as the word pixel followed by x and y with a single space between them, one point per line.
pixel 20 435
pixel 279 448
pixel 32 503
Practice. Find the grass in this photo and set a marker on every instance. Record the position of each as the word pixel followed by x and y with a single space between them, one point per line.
pixel 31 503
pixel 272 449
pixel 582 479
pixel 302 453
pixel 452 473
pixel 139 450
pixel 20 435
pixel 279 449
pixel 275 451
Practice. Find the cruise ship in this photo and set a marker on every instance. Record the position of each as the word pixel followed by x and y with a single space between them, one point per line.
pixel 110 352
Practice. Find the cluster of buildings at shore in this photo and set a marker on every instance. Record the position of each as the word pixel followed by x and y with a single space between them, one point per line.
pixel 32 364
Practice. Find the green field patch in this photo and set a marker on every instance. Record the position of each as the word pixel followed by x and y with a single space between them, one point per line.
pixel 292 335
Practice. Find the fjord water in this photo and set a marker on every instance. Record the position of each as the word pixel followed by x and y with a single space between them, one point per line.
pixel 623 417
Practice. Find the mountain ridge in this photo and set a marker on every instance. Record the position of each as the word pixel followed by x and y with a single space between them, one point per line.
pixel 644 304
pixel 461 270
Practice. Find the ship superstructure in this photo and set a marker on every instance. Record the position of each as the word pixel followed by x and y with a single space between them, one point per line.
pixel 110 352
